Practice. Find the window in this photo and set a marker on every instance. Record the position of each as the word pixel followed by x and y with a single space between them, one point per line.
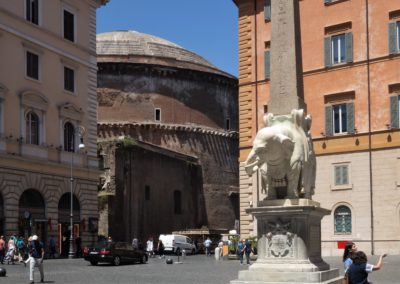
pixel 341 175
pixel 32 65
pixel 339 119
pixel 69 79
pixel 338 49
pixel 267 64
pixel 342 220
pixel 32 128
pixel 177 202
pixel 394 37
pixel 32 11
pixel 147 193
pixel 69 137
pixel 157 114
pixel 69 25
pixel 267 10
pixel 228 124
pixel 394 111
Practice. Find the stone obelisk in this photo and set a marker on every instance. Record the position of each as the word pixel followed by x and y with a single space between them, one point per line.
pixel 286 65
pixel 288 220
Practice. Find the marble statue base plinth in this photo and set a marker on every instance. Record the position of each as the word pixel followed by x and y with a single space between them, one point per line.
pixel 289 244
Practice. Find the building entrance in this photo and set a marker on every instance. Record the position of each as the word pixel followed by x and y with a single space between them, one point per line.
pixel 64 228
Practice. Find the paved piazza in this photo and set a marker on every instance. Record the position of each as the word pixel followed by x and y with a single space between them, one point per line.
pixel 197 269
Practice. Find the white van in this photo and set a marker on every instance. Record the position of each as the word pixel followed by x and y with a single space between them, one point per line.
pixel 177 243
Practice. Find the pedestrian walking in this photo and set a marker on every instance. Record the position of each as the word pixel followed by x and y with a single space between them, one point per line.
pixel 2 249
pixel 150 247
pixel 349 252
pixel 358 271
pixel 36 251
pixel 52 246
pixel 20 243
pixel 207 246
pixel 247 250
pixel 160 249
pixel 11 248
pixel 240 251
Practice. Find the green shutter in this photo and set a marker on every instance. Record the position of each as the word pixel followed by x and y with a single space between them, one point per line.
pixel 349 47
pixel 328 121
pixel 337 175
pixel 392 38
pixel 350 118
pixel 327 52
pixel 267 10
pixel 345 175
pixel 394 111
pixel 267 64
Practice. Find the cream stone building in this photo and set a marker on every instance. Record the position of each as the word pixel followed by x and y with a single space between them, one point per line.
pixel 351 59
pixel 48 107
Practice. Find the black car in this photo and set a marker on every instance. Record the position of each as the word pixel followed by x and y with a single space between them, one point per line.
pixel 114 253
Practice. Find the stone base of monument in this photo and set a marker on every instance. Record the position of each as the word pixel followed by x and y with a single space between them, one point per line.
pixel 289 244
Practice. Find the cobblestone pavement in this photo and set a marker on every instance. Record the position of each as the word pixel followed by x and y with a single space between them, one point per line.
pixel 197 269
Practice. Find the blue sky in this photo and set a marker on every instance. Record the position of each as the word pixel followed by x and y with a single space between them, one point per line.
pixel 207 27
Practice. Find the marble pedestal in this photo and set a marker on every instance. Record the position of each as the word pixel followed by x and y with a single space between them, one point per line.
pixel 289 244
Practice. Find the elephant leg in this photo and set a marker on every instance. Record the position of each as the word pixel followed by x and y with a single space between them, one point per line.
pixel 271 190
pixel 293 187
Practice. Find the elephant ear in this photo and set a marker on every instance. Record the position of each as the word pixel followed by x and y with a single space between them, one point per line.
pixel 287 145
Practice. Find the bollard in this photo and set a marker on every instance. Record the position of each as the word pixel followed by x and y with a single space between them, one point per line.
pixel 217 253
pixel 3 272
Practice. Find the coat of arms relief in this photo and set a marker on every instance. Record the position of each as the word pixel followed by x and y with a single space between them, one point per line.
pixel 279 239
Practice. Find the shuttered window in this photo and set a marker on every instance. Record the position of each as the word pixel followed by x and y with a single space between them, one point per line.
pixel 394 37
pixel 341 175
pixel 339 119
pixel 32 65
pixel 342 220
pixel 69 26
pixel 338 49
pixel 267 64
pixel 394 111
pixel 267 10
pixel 32 11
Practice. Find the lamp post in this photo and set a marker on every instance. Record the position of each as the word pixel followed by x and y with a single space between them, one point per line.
pixel 80 131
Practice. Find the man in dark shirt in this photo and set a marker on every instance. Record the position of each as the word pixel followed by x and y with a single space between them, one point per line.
pixel 36 252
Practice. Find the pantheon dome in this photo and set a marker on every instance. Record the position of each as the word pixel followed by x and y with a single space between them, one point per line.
pixel 167 137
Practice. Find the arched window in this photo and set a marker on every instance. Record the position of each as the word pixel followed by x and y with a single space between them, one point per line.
pixel 177 202
pixel 69 137
pixel 342 220
pixel 32 128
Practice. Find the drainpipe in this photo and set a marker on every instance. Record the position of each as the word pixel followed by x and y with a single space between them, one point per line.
pixel 369 132
pixel 256 84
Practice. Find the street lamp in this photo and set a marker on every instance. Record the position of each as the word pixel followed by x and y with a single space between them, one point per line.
pixel 80 130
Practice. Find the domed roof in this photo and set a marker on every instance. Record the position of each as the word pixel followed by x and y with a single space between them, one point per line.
pixel 128 46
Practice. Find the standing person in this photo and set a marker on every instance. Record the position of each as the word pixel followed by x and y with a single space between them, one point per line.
pixel 37 253
pixel 348 254
pixel 221 248
pixel 240 251
pixel 78 245
pixel 52 246
pixel 247 250
pixel 160 249
pixel 135 243
pixel 149 247
pixel 207 245
pixel 358 271
pixel 2 249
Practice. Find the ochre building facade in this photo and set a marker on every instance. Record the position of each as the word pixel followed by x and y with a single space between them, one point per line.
pixel 167 129
pixel 350 55
pixel 48 107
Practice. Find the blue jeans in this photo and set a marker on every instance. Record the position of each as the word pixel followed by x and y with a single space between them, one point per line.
pixel 208 251
pixel 241 257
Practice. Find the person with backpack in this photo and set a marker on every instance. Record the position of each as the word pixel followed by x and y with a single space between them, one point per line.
pixel 21 248
pixel 247 250
pixel 240 250
pixel 36 252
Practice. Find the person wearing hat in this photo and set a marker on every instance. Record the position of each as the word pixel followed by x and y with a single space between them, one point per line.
pixel 36 252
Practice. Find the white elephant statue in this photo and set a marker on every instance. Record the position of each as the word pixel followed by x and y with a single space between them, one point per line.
pixel 283 153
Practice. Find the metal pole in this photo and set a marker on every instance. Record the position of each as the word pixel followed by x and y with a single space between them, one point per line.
pixel 71 218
